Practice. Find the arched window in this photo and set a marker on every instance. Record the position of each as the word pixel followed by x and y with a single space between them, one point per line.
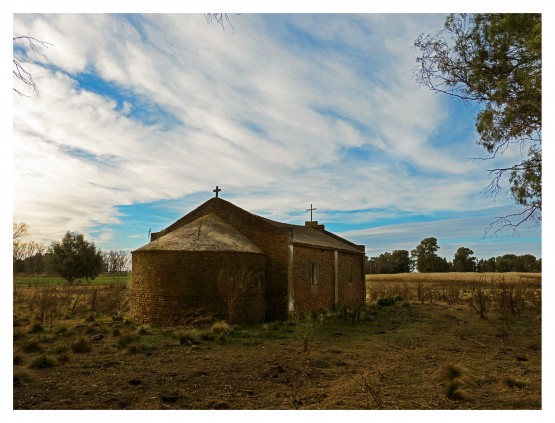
pixel 314 274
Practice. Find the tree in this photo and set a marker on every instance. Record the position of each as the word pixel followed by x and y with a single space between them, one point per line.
pixel 463 261
pixel 486 265
pixel 506 263
pixel 427 260
pixel 495 60
pixel 20 230
pixel 402 262
pixel 116 262
pixel 74 258
pixel 397 262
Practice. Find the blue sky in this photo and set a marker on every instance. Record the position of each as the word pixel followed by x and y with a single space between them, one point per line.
pixel 141 116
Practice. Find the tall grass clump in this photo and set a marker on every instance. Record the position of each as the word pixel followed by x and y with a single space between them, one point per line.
pixel 457 378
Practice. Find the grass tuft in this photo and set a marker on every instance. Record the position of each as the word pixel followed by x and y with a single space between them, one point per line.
pixel 220 327
pixel 515 383
pixel 43 362
pixel 31 346
pixel 81 345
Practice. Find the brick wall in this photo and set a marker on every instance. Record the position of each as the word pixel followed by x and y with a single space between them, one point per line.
pixel 167 285
pixel 309 297
pixel 268 238
pixel 351 279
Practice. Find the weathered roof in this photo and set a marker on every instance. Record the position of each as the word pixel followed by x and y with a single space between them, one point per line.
pixel 207 233
pixel 314 238
pixel 303 235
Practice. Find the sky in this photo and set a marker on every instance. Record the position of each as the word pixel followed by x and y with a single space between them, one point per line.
pixel 140 116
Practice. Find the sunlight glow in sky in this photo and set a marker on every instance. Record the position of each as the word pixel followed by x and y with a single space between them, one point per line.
pixel 141 116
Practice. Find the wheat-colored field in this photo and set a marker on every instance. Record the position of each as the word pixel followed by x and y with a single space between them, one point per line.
pixel 458 277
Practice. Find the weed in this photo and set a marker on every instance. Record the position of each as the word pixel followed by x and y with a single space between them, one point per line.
pixel 306 329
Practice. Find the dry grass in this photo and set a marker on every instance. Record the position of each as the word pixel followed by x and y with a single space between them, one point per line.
pixel 457 277
pixel 412 354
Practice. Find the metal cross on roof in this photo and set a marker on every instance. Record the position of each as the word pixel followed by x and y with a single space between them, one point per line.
pixel 217 190
pixel 311 209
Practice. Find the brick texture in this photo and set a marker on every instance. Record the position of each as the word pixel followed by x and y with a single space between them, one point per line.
pixel 167 284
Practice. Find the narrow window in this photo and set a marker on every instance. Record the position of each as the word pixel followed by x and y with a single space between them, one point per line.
pixel 260 283
pixel 350 272
pixel 314 274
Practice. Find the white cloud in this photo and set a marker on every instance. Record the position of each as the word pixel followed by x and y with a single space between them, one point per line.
pixel 248 111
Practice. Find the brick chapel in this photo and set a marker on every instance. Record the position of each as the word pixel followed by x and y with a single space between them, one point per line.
pixel 293 268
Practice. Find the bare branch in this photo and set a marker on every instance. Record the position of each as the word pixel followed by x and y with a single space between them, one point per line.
pixel 220 18
pixel 19 71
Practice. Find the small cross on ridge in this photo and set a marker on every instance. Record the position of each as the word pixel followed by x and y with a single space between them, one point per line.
pixel 217 190
pixel 311 209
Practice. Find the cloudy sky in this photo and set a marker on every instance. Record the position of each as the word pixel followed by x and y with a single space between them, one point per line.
pixel 140 116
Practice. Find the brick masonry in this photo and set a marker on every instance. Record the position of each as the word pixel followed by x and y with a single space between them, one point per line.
pixel 167 284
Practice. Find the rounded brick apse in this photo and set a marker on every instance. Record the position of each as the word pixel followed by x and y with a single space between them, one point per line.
pixel 199 270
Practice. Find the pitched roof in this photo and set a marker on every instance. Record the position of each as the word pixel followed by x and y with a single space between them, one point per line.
pixel 300 235
pixel 304 235
pixel 314 238
pixel 207 233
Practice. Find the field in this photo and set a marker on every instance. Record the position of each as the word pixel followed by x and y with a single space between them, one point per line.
pixel 420 344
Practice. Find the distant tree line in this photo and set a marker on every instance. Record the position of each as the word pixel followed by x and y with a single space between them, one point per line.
pixel 72 258
pixel 424 259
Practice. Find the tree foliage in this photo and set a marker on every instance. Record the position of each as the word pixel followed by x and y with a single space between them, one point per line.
pixel 427 260
pixel 74 258
pixel 495 61
pixel 463 261
pixel 399 261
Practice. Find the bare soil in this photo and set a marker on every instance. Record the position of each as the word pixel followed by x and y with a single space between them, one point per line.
pixel 410 355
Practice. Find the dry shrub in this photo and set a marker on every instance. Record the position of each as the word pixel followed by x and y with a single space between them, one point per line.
pixel 480 301
pixel 47 303
pixel 234 287
pixel 352 303
pixel 112 299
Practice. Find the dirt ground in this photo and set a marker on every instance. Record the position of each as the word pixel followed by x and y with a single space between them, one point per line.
pixel 408 356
